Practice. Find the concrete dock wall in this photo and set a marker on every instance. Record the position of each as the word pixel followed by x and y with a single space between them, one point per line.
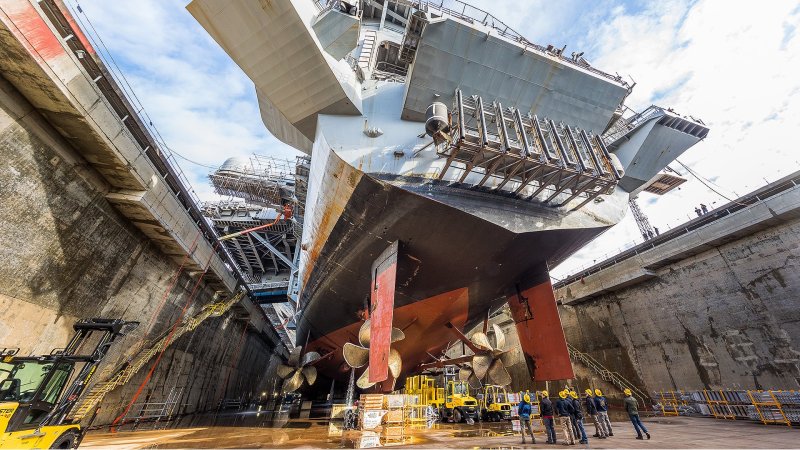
pixel 716 309
pixel 67 253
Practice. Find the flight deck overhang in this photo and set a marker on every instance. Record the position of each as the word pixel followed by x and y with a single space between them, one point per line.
pixel 275 45
pixel 453 54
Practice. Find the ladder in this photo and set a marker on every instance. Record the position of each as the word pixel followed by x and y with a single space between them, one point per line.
pixel 365 57
pixel 607 375
pixel 99 390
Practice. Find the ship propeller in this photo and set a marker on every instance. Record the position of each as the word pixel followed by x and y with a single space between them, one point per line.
pixel 489 360
pixel 298 369
pixel 358 355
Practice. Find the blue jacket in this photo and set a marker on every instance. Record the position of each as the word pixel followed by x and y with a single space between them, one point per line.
pixel 564 407
pixel 524 410
pixel 600 403
pixel 591 408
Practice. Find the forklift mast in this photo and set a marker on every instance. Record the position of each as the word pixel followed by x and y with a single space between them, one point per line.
pixel 84 329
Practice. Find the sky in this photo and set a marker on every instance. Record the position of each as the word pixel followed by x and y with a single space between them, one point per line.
pixel 733 64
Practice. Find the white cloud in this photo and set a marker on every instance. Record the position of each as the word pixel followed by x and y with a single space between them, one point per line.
pixel 200 101
pixel 729 63
pixel 733 64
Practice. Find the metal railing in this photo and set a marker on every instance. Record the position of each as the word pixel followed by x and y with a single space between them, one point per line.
pixel 473 14
pixel 743 202
pixel 607 375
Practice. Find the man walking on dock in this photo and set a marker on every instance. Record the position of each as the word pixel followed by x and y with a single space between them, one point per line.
pixel 632 407
pixel 602 412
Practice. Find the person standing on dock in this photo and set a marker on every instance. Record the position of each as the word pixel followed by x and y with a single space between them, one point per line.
pixel 524 412
pixel 632 407
pixel 577 418
pixel 602 412
pixel 591 410
pixel 564 410
pixel 547 413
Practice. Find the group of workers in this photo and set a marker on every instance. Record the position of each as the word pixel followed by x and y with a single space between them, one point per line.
pixel 569 410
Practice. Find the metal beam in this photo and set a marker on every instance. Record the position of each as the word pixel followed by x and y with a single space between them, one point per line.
pixel 275 251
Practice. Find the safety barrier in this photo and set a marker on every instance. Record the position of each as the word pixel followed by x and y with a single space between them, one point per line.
pixel 766 406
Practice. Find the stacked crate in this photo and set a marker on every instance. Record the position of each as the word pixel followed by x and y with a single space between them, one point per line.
pixel 371 413
pixel 394 422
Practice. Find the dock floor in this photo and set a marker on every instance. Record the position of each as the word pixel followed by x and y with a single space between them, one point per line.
pixel 671 432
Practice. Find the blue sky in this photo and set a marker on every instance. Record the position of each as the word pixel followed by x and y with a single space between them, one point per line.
pixel 730 63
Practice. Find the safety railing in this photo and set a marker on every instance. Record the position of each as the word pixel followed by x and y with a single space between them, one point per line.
pixel 473 14
pixel 610 376
pixel 773 189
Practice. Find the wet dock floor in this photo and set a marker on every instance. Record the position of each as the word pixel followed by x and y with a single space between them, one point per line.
pixel 677 432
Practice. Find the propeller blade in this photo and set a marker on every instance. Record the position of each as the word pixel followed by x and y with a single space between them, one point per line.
pixel 284 371
pixel 474 382
pixel 480 364
pixel 510 357
pixel 498 373
pixel 464 373
pixel 397 335
pixel 355 356
pixel 310 358
pixel 395 363
pixel 481 341
pixel 363 380
pixel 499 337
pixel 364 333
pixel 294 356
pixel 294 382
pixel 310 373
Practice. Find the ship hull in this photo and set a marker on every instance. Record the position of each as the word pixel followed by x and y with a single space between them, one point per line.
pixel 454 264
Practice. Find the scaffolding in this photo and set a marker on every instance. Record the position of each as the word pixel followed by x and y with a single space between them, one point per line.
pixel 257 179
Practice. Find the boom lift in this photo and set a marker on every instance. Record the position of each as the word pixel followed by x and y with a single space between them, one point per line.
pixel 34 403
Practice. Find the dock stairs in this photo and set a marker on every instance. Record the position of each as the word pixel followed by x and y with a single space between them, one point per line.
pixel 367 50
pixel 99 390
pixel 609 376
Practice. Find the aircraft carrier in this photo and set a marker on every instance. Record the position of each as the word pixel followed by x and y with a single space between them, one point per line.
pixel 479 159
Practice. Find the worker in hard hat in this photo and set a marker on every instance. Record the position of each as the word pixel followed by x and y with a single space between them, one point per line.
pixel 602 412
pixel 632 407
pixel 591 410
pixel 577 418
pixel 524 410
pixel 547 413
pixel 564 410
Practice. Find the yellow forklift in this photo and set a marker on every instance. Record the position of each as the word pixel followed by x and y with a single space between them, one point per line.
pixel 457 405
pixel 494 404
pixel 34 403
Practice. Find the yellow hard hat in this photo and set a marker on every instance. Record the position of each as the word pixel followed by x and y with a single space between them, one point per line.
pixel 627 391
pixel 545 394
pixel 589 392
pixel 573 394
pixel 597 392
pixel 527 398
pixel 562 394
